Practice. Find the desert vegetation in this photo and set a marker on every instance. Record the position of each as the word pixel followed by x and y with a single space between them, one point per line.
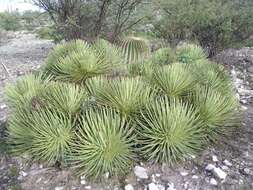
pixel 85 108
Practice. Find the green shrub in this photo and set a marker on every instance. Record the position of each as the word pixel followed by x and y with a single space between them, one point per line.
pixel 10 21
pixel 104 144
pixel 163 56
pixel 98 122
pixel 190 53
pixel 49 33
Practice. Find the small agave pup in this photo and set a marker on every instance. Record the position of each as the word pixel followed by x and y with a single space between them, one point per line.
pixel 189 53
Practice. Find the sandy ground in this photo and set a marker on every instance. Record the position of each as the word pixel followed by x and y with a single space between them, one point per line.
pixel 26 53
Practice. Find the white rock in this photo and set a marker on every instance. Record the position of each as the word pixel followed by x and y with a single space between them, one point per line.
pixel 58 188
pixel 195 177
pixel 209 167
pixel 82 177
pixel 227 163
pixel 83 182
pixel 24 174
pixel 171 186
pixel 129 187
pixel 140 172
pixel 160 187
pixel 183 173
pixel 219 173
pixel 3 106
pixel 152 186
pixel 213 182
pixel 224 168
pixel 107 175
pixel 153 178
pixel 215 159
pixel 158 175
pixel 244 107
pixel 87 187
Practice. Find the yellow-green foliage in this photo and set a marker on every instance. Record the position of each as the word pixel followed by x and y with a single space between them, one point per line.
pixel 99 123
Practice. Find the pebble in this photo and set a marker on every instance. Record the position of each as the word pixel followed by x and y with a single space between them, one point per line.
pixel 83 182
pixel 215 159
pixel 219 173
pixel 171 186
pixel 183 173
pixel 87 187
pixel 195 177
pixel 152 186
pixel 3 106
pixel 213 182
pixel 160 187
pixel 227 163
pixel 107 174
pixel 24 174
pixel 129 187
pixel 246 171
pixel 58 188
pixel 209 167
pixel 140 172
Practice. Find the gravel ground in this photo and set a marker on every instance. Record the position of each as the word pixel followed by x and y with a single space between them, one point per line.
pixel 232 157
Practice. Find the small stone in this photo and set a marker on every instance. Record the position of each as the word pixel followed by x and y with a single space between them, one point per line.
pixel 58 188
pixel 209 167
pixel 129 187
pixel 82 177
pixel 24 174
pixel 184 173
pixel 250 69
pixel 195 177
pixel 153 178
pixel 3 106
pixel 213 182
pixel 140 172
pixel 152 186
pixel 215 159
pixel 227 163
pixel 107 174
pixel 171 186
pixel 158 175
pixel 219 173
pixel 246 171
pixel 83 182
pixel 224 168
pixel 244 107
pixel 160 187
pixel 87 187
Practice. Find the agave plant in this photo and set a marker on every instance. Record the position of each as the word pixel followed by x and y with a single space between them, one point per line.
pixel 26 91
pixel 189 53
pixel 110 52
pixel 218 112
pixel 135 49
pixel 174 80
pixel 126 95
pixel 65 97
pixel 81 65
pixel 61 51
pixel 213 76
pixel 163 56
pixel 169 131
pixel 103 144
pixel 44 135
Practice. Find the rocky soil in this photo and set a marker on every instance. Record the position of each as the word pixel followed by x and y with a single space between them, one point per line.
pixel 227 165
